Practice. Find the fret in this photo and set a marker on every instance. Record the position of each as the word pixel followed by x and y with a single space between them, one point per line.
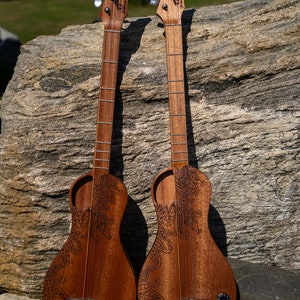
pixel 107 88
pixel 177 134
pixel 101 159
pixel 105 123
pixel 102 151
pixel 110 61
pixel 178 139
pixel 177 115
pixel 179 152
pixel 107 101
pixel 101 168
pixel 176 80
pixel 174 54
pixel 172 25
pixel 112 31
pixel 177 93
pixel 103 143
pixel 180 160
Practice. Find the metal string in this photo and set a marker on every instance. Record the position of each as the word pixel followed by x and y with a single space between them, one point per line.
pixel 102 169
pixel 171 38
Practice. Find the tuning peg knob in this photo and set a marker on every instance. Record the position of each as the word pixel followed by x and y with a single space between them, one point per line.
pixel 97 3
pixel 154 2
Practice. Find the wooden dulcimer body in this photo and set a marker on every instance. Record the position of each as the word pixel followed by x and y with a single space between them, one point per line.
pixel 92 264
pixel 184 262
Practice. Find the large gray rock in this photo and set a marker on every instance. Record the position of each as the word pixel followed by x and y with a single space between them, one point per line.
pixel 242 66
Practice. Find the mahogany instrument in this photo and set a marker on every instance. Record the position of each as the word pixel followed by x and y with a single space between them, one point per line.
pixel 184 262
pixel 92 264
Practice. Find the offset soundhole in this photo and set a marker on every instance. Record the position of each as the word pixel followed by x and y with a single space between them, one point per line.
pixel 223 296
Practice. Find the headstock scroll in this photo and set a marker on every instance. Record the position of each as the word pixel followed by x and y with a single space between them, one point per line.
pixel 113 13
pixel 170 11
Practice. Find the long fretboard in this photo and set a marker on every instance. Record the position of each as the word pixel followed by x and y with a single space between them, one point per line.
pixel 176 83
pixel 112 18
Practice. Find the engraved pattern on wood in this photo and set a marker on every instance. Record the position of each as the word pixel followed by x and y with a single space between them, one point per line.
pixel 195 268
pixel 100 264
pixel 184 260
pixel 174 220
pixel 65 277
pixel 53 281
pixel 188 218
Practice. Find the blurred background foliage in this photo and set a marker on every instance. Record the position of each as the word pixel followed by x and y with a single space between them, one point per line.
pixel 30 18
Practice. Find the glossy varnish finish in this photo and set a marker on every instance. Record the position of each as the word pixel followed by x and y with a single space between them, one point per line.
pixel 92 263
pixel 184 262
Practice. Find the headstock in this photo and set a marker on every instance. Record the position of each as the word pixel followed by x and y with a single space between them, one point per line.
pixel 170 11
pixel 113 12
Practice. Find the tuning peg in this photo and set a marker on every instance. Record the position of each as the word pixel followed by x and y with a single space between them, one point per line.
pixel 97 3
pixel 154 2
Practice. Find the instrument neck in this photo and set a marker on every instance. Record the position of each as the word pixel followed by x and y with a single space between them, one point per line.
pixel 176 93
pixel 106 101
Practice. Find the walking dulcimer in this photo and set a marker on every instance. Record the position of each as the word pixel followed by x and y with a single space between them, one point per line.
pixel 92 264
pixel 184 262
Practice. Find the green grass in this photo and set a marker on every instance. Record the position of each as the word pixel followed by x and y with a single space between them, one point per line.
pixel 30 18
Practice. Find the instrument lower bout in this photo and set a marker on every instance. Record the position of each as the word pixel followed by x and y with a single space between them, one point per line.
pixel 184 261
pixel 92 261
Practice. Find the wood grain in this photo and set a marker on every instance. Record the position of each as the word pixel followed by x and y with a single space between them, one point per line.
pixel 184 262
pixel 243 95
pixel 92 263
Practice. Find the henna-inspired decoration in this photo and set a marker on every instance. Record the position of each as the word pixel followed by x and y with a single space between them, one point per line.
pixel 181 215
pixel 53 281
pixel 104 196
pixel 52 288
pixel 92 223
pixel 163 245
pixel 187 192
